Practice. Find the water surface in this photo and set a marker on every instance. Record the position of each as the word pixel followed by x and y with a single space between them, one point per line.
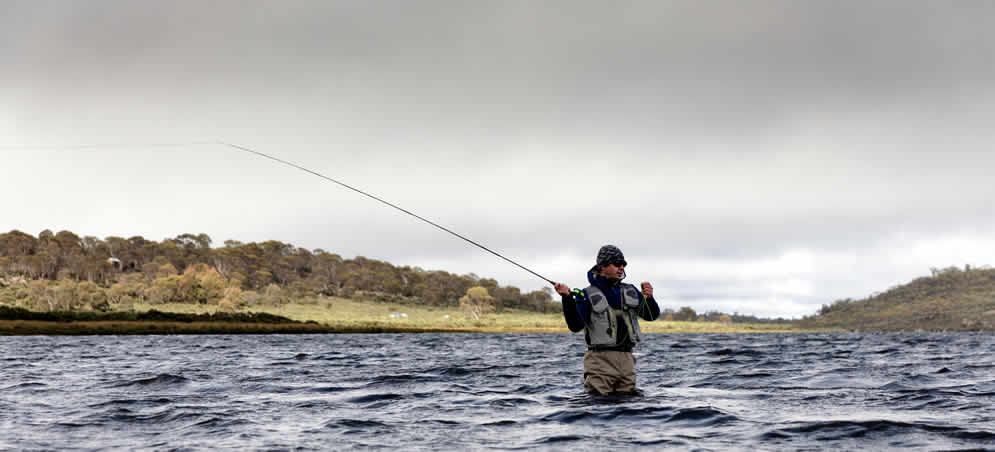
pixel 502 391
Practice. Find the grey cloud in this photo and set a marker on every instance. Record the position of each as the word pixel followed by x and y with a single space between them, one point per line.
pixel 650 63
pixel 722 131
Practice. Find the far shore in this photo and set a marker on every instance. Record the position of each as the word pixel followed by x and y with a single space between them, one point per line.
pixel 139 327
pixel 128 327
pixel 336 316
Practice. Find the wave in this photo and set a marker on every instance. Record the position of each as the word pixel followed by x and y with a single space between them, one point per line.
pixel 737 352
pixel 559 439
pixel 840 429
pixel 124 415
pixel 328 389
pixel 698 416
pixel 27 385
pixel 512 402
pixel 360 424
pixel 421 392
pixel 132 402
pixel 158 381
pixel 701 417
pixel 375 398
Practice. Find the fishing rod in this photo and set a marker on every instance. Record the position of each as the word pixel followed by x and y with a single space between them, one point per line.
pixel 294 165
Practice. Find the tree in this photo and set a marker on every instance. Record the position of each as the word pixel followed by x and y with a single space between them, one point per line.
pixel 16 243
pixel 273 295
pixel 124 251
pixel 176 269
pixel 433 290
pixel 540 300
pixel 201 284
pixel 476 303
pixel 686 314
pixel 71 254
pixel 91 244
pixel 508 297
pixel 488 283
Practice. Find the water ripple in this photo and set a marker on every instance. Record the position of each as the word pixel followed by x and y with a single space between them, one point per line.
pixel 480 391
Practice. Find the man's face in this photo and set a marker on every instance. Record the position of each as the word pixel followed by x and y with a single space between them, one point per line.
pixel 614 270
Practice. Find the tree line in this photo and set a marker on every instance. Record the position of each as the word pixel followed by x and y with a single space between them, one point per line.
pixel 60 268
pixel 688 314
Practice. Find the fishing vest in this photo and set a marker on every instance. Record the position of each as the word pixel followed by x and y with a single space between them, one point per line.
pixel 601 324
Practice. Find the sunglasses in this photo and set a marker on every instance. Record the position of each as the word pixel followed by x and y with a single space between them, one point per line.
pixel 618 263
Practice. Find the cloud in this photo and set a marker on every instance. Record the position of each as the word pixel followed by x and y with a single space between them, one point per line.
pixel 716 143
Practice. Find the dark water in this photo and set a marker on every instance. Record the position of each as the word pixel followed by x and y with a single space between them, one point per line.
pixel 510 391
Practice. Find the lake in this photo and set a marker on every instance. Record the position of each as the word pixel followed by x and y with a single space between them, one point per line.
pixel 500 391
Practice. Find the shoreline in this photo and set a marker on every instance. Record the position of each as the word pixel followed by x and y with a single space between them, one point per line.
pixel 142 327
pixel 331 316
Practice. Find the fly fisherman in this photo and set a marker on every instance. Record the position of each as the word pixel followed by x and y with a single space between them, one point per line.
pixel 608 311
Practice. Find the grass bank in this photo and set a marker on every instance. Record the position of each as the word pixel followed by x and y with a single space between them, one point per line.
pixel 326 315
pixel 352 315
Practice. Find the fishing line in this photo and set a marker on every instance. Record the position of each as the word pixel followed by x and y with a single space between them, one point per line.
pixel 294 165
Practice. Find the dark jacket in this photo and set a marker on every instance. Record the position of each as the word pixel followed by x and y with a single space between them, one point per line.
pixel 577 305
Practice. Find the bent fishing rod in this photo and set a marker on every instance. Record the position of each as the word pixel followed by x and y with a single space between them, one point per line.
pixel 294 165
pixel 251 151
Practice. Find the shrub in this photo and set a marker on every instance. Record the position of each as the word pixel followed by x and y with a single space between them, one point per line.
pixel 234 298
pixel 89 296
pixel 476 303
pixel 226 305
pixel 274 295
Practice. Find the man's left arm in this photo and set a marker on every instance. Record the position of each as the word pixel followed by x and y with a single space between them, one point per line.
pixel 648 309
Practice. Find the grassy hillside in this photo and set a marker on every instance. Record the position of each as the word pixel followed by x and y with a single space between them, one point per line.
pixel 951 299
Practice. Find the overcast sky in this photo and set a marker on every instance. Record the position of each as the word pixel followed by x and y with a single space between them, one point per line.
pixel 760 157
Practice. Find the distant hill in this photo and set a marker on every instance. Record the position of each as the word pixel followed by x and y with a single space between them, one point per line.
pixel 65 272
pixel 952 299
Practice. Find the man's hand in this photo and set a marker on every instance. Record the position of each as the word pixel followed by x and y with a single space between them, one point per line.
pixel 562 289
pixel 647 290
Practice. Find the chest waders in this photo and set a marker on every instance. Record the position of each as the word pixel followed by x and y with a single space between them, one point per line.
pixel 601 326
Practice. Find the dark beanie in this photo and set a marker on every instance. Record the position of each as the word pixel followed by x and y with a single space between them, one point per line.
pixel 609 254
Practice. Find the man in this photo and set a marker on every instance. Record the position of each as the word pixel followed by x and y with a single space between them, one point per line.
pixel 608 311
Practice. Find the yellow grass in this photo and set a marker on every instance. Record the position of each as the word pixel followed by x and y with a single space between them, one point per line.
pixel 341 313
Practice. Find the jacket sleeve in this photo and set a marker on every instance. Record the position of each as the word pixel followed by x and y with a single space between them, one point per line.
pixel 648 309
pixel 573 305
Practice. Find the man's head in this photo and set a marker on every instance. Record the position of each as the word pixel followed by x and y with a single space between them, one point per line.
pixel 611 262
